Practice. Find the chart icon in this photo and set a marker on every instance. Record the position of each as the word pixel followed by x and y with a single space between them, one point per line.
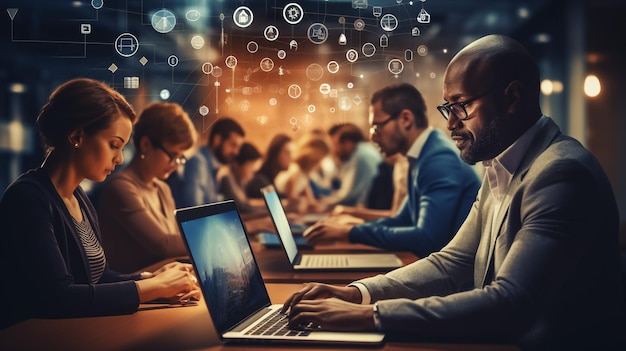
pixel 163 21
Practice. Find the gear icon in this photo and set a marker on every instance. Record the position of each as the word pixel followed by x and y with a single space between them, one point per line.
pixel 294 13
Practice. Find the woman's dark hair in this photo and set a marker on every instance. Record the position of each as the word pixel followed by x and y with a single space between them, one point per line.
pixel 270 167
pixel 247 152
pixel 165 123
pixel 80 104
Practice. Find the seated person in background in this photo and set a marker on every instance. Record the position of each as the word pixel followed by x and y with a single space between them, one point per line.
pixel 136 205
pixel 356 161
pixel 197 183
pixel 539 247
pixel 294 183
pixel 51 252
pixel 277 159
pixel 394 194
pixel 234 177
pixel 441 186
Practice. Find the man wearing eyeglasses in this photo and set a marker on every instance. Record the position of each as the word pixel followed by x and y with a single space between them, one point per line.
pixel 441 187
pixel 539 246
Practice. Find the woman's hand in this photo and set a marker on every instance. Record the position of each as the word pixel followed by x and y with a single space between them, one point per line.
pixel 172 281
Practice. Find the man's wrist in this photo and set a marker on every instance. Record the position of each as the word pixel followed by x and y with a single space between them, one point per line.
pixel 376 316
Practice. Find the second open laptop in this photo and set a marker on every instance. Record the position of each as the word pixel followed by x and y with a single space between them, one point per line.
pixel 231 281
pixel 299 261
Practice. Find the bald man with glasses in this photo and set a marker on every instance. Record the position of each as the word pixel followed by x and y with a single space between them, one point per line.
pixel 539 247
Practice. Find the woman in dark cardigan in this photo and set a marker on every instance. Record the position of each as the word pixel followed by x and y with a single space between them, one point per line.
pixel 277 158
pixel 54 265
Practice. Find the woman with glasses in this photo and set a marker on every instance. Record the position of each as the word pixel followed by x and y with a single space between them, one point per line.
pixel 136 205
pixel 51 252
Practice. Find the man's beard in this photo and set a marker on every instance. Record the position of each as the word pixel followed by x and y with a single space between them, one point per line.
pixel 482 148
pixel 219 154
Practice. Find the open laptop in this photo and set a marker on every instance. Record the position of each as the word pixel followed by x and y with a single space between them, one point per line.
pixel 231 281
pixel 300 261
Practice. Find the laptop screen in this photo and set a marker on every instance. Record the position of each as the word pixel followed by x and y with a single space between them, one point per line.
pixel 277 212
pixel 230 279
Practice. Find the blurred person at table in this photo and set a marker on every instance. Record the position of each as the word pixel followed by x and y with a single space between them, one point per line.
pixel 51 249
pixel 136 206
pixel 234 177
pixel 277 159
pixel 295 183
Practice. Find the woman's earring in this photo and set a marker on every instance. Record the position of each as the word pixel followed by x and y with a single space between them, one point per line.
pixel 142 156
pixel 75 145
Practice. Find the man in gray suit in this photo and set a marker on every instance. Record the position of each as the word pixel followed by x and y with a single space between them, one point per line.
pixel 539 249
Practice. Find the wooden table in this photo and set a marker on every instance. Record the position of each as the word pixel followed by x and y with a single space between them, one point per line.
pixel 180 328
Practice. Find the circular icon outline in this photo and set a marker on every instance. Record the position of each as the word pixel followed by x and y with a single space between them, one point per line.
pixel 209 68
pixel 238 11
pixel 281 54
pixel 165 18
pixel 134 45
pixel 172 61
pixel 293 6
pixel 352 55
pixel 266 64
pixel 392 22
pixel 231 62
pixel 359 24
pixel 266 32
pixel 312 69
pixel 370 46
pixel 332 66
pixel 393 70
pixel 322 31
pixel 252 46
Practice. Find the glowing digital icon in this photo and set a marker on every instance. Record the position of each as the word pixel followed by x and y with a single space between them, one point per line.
pixel 12 12
pixel 423 16
pixel 389 22
pixel 359 24
pixel 231 62
pixel 345 103
pixel 408 55
pixel 368 49
pixel 197 42
pixel 131 82
pixel 317 33
pixel 357 100
pixel 395 66
pixel 261 120
pixel 281 54
pixel 334 93
pixel 164 94
pixel 332 67
pixel 422 50
pixel 325 88
pixel 163 21
pixel 252 47
pixel 244 106
pixel 192 15
pixel 143 60
pixel 311 108
pixel 293 13
pixel 97 4
pixel 415 32
pixel 342 39
pixel 126 44
pixel 341 20
pixel 352 55
pixel 377 11
pixel 293 45
pixel 384 41
pixel 270 33
pixel 172 60
pixel 207 68
pixel 112 68
pixel 243 16
pixel 314 72
pixel 217 72
pixel 273 101
pixel 281 71
pixel 85 28
pixel 350 85
pixel 294 91
pixel 332 110
pixel 266 64
pixel 203 110
pixel 359 4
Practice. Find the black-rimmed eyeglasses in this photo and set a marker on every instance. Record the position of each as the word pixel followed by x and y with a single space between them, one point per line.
pixel 377 126
pixel 458 110
pixel 179 160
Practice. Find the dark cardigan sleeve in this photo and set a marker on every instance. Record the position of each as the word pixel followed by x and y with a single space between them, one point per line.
pixel 45 265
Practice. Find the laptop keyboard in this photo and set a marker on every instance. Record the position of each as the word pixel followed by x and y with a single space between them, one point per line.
pixel 324 261
pixel 276 324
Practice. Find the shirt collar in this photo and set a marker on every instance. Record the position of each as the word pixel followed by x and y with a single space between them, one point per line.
pixel 418 144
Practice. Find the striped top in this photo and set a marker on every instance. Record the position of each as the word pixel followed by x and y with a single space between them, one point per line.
pixel 93 249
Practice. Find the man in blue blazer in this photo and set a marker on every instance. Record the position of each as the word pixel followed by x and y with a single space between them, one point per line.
pixel 441 186
pixel 539 247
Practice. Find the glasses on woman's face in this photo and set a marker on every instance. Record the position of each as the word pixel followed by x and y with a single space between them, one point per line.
pixel 458 110
pixel 174 159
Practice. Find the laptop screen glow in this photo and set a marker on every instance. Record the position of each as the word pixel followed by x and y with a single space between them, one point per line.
pixel 280 220
pixel 231 282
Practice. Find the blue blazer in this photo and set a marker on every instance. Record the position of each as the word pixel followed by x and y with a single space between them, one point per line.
pixel 45 269
pixel 441 191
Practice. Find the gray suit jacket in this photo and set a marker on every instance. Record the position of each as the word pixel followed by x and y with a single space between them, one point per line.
pixel 547 279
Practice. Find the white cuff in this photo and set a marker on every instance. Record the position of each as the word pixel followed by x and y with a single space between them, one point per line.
pixel 366 297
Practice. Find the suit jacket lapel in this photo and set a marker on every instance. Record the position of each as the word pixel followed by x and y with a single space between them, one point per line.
pixel 542 140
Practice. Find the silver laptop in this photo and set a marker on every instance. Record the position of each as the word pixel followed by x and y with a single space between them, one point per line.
pixel 373 261
pixel 231 282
